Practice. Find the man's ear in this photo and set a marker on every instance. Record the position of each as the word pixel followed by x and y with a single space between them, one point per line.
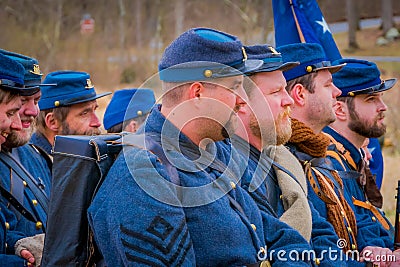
pixel 51 122
pixel 298 94
pixel 196 91
pixel 341 110
pixel 132 126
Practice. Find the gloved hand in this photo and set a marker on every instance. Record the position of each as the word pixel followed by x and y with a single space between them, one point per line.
pixel 34 244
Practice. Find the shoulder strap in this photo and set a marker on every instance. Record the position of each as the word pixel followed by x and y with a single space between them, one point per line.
pixel 311 176
pixel 279 166
pixel 156 148
pixel 256 156
pixel 147 142
pixel 17 205
pixel 41 197
pixel 45 155
pixel 343 152
pixel 335 155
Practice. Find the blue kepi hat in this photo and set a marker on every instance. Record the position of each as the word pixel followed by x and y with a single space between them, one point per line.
pixel 360 77
pixel 32 75
pixel 311 56
pixel 203 54
pixel 71 87
pixel 272 59
pixel 128 104
pixel 11 75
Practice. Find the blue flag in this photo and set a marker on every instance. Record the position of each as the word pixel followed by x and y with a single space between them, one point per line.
pixel 301 21
pixel 376 162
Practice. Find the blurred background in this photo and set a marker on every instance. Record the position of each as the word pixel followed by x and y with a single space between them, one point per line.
pixel 120 42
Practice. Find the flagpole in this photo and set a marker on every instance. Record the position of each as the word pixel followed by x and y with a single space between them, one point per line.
pixel 301 36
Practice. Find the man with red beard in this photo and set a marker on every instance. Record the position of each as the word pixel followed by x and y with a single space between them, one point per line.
pixel 360 115
pixel 68 108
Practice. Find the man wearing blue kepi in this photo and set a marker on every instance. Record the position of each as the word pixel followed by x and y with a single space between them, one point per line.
pixel 68 107
pixel 11 85
pixel 278 177
pixel 31 188
pixel 128 109
pixel 311 87
pixel 185 207
pixel 360 113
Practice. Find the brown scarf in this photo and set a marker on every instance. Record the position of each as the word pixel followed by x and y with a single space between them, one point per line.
pixel 307 141
pixel 316 146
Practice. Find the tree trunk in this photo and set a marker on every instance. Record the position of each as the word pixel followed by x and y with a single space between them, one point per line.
pixel 266 22
pixel 179 16
pixel 139 28
pixel 352 19
pixel 122 35
pixel 52 42
pixel 387 15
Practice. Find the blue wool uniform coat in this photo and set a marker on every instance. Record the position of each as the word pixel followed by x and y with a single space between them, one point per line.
pixel 7 260
pixel 41 141
pixel 367 234
pixel 323 235
pixel 355 190
pixel 37 166
pixel 133 228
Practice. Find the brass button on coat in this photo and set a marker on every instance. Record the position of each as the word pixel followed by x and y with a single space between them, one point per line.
pixel 233 185
pixel 39 225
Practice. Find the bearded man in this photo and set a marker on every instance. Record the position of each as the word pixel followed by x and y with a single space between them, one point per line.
pixel 314 94
pixel 66 108
pixel 277 177
pixel 31 187
pixel 360 113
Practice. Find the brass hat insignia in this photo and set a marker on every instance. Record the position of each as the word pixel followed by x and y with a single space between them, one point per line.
pixel 273 50
pixel 36 70
pixel 244 54
pixel 89 84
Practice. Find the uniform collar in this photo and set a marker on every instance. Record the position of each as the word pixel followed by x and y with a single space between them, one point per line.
pixel 158 124
pixel 355 153
pixel 40 140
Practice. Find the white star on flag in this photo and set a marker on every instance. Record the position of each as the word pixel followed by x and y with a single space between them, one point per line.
pixel 371 150
pixel 324 25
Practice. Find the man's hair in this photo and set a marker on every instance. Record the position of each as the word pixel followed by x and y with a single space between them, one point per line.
pixel 348 100
pixel 7 96
pixel 172 93
pixel 119 127
pixel 306 80
pixel 59 113
pixel 249 85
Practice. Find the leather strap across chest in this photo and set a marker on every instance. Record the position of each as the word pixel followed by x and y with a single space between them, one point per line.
pixel 344 153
